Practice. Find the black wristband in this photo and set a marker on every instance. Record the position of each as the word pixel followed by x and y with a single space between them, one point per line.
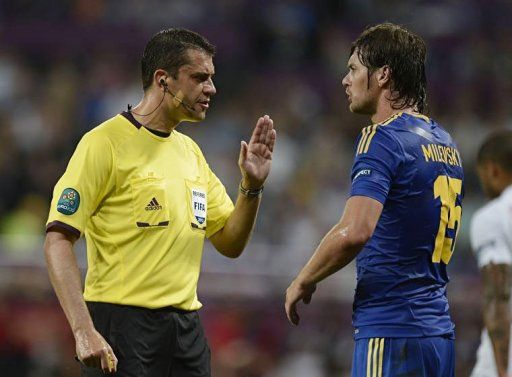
pixel 250 193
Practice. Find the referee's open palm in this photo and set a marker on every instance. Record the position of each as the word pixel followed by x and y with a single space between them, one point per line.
pixel 256 157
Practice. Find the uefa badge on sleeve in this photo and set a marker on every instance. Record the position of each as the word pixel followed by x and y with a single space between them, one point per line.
pixel 69 201
pixel 199 205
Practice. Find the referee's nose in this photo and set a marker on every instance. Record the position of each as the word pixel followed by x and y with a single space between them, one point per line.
pixel 209 88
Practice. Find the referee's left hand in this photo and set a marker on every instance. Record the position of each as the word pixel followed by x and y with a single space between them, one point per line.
pixel 256 156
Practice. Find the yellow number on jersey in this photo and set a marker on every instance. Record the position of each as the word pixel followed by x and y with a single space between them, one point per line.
pixel 446 189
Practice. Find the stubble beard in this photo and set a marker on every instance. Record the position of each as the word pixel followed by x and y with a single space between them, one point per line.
pixel 365 107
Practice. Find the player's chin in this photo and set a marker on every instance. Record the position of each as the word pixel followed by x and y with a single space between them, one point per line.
pixel 354 108
pixel 358 108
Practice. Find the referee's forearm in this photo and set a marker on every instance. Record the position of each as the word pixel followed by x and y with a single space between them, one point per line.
pixel 232 239
pixel 66 280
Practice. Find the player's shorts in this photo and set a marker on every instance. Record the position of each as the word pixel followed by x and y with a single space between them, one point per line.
pixel 393 357
pixel 164 342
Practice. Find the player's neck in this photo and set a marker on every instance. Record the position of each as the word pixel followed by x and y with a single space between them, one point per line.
pixel 152 112
pixel 505 183
pixel 385 111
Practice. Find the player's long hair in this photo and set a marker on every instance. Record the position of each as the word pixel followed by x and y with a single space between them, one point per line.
pixel 404 53
pixel 167 50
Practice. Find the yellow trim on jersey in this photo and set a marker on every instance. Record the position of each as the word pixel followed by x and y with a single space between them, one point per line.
pixel 424 117
pixel 362 140
pixel 375 357
pixel 370 137
pixel 391 118
pixel 368 133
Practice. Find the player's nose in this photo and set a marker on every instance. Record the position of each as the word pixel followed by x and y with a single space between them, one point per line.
pixel 345 81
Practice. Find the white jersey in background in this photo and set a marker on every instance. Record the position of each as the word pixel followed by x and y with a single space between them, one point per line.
pixel 491 241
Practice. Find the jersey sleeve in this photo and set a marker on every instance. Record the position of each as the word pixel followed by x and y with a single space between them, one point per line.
pixel 488 238
pixel 87 178
pixel 378 158
pixel 220 205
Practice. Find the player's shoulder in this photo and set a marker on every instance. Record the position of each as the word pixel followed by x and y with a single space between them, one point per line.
pixel 486 217
pixel 391 127
pixel 495 210
pixel 378 134
pixel 506 197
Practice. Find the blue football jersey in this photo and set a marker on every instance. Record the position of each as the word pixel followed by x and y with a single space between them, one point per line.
pixel 411 165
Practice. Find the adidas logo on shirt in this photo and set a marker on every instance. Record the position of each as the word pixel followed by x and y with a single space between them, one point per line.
pixel 153 205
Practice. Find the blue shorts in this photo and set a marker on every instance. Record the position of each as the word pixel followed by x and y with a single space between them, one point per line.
pixel 413 357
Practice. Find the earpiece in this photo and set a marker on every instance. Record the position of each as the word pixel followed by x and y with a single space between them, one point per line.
pixel 163 83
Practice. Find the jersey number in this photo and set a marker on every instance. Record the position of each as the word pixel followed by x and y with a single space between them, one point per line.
pixel 446 189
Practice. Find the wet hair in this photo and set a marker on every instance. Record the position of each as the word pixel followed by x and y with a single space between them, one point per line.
pixel 497 148
pixel 405 53
pixel 168 49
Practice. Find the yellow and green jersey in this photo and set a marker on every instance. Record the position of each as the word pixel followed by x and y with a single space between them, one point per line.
pixel 145 204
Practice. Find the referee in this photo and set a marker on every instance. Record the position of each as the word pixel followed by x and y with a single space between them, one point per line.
pixel 145 199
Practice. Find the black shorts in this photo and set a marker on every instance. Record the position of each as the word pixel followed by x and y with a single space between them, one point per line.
pixel 164 342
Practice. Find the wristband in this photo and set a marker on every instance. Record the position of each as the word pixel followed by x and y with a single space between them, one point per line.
pixel 250 193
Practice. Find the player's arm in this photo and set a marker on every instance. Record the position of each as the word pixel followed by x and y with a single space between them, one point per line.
pixel 338 248
pixel 488 236
pixel 378 159
pixel 65 277
pixel 496 286
pixel 254 161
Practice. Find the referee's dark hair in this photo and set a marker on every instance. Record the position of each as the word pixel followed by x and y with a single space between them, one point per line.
pixel 167 50
pixel 405 54
pixel 497 148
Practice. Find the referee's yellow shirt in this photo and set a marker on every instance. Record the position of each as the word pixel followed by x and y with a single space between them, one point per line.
pixel 145 204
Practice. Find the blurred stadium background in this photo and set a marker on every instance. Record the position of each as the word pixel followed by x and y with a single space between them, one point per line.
pixel 66 65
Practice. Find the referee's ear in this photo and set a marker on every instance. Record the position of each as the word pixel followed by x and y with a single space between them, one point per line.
pixel 160 79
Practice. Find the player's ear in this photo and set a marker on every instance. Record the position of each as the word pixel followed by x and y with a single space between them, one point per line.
pixel 495 170
pixel 383 76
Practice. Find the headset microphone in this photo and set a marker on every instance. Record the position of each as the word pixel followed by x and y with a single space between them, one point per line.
pixel 185 105
pixel 166 90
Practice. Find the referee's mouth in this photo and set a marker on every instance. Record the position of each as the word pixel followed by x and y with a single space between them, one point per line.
pixel 204 104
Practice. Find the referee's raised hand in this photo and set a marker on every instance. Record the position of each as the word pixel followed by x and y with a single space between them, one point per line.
pixel 93 351
pixel 256 156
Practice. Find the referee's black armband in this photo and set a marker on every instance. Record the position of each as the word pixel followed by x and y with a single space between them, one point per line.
pixel 250 193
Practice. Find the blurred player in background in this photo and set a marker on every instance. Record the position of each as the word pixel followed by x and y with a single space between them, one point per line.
pixel 401 219
pixel 145 198
pixel 491 240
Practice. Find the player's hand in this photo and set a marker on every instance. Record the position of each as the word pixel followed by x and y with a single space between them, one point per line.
pixel 294 294
pixel 93 351
pixel 256 156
